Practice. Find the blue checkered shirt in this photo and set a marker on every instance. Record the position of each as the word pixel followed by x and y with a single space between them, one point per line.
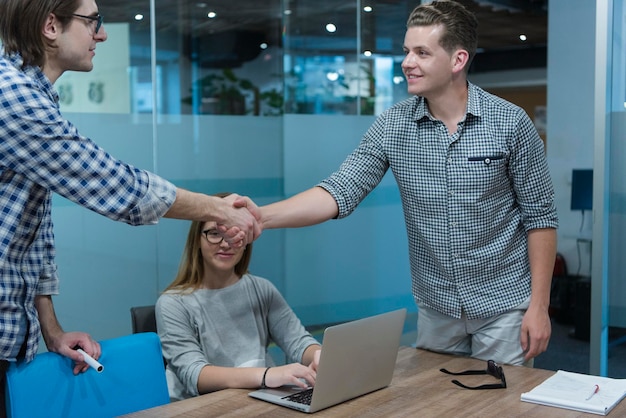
pixel 469 198
pixel 41 153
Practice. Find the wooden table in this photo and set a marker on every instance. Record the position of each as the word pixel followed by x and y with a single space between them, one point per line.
pixel 418 389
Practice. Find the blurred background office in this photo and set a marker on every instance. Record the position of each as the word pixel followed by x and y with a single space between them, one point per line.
pixel 267 98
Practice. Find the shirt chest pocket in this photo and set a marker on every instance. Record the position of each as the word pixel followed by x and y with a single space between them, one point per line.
pixel 486 160
pixel 488 170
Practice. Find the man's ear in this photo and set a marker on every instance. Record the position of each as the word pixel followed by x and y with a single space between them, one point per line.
pixel 460 59
pixel 51 27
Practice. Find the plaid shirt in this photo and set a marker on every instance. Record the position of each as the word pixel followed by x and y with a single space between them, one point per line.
pixel 41 153
pixel 469 198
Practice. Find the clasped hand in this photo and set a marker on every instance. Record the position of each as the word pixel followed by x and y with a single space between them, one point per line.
pixel 243 223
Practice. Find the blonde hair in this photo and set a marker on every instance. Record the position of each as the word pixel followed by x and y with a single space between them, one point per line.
pixel 191 269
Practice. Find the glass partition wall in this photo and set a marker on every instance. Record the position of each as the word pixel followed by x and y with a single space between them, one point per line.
pixel 225 96
pixel 246 58
pixel 613 303
pixel 260 98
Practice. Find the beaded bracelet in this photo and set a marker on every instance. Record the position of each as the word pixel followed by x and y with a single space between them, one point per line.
pixel 263 385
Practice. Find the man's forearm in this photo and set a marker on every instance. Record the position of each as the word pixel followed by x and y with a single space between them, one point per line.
pixel 541 254
pixel 197 207
pixel 310 207
pixel 50 327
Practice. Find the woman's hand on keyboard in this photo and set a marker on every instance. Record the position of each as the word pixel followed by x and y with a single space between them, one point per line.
pixel 295 374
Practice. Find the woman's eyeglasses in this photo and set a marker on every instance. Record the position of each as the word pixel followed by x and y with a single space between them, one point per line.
pixel 493 369
pixel 212 236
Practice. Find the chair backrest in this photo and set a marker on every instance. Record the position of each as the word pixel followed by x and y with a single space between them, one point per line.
pixel 143 319
pixel 133 379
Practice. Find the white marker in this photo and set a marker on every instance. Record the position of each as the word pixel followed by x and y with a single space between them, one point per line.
pixel 91 361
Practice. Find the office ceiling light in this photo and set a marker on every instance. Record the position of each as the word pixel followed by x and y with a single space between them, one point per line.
pixel 331 28
pixel 211 15
pixel 332 76
pixel 367 9
pixel 522 37
pixel 138 16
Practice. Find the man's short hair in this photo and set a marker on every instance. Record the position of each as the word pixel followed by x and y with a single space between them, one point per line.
pixel 461 25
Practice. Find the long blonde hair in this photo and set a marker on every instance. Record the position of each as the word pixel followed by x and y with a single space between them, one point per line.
pixel 191 269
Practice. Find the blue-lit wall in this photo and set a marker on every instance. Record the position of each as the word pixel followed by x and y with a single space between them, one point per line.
pixel 340 270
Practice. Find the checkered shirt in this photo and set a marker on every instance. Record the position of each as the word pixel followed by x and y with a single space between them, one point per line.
pixel 41 153
pixel 469 199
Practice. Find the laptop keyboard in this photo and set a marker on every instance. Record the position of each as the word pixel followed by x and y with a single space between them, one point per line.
pixel 303 397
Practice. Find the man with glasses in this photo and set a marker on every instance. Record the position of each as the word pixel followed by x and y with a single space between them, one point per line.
pixel 476 192
pixel 96 20
pixel 42 153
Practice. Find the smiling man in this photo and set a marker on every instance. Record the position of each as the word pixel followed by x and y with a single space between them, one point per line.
pixel 476 192
pixel 42 153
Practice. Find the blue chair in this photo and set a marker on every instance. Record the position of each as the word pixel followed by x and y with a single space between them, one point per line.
pixel 133 379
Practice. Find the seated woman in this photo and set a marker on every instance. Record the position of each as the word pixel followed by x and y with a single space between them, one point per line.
pixel 216 321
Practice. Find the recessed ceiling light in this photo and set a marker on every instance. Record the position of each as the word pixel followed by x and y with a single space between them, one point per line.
pixel 522 37
pixel 332 76
pixel 138 16
pixel 367 9
pixel 331 28
pixel 211 15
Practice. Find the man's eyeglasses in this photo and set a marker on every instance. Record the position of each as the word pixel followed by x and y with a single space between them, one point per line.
pixel 97 18
pixel 212 236
pixel 493 369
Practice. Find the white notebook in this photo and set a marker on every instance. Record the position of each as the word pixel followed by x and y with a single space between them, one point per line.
pixel 580 392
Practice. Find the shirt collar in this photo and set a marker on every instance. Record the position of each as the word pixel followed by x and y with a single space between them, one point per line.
pixel 473 100
pixel 35 73
pixel 473 104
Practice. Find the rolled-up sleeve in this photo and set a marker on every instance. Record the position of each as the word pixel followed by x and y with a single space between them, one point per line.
pixel 159 197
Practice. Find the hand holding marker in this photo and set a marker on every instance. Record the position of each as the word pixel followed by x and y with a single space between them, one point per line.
pixel 91 361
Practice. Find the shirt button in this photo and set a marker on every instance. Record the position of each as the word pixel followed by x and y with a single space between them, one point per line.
pixel 452 224
pixel 450 160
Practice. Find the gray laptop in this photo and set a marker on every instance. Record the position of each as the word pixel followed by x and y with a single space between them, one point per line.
pixel 357 357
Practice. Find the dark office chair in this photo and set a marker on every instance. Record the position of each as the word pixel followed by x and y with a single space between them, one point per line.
pixel 143 319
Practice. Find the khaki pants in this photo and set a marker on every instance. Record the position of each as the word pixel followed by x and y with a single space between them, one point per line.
pixel 496 338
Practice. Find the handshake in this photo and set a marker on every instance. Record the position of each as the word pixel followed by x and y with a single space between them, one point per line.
pixel 242 220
